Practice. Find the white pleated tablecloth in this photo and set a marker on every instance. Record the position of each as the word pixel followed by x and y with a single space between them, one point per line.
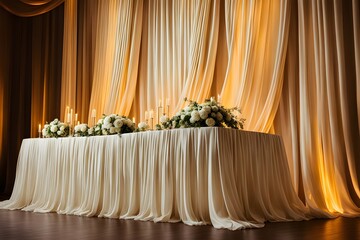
pixel 228 178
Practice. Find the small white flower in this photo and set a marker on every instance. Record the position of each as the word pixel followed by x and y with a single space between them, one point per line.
pixel 53 128
pixel 219 116
pixel 178 114
pixel 83 128
pixel 62 127
pixel 97 128
pixel 104 132
pixel 118 123
pixel 59 132
pixel 192 120
pixel 46 125
pixel 182 117
pixel 210 122
pixel 164 119
pixel 100 121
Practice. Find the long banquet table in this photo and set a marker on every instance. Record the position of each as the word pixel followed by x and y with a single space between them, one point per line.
pixel 228 178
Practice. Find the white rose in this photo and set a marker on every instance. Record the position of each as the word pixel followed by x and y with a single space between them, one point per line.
pixel 107 120
pixel 53 128
pixel 62 128
pixel 106 126
pixel 54 122
pixel 118 123
pixel 90 131
pixel 219 116
pixel 195 115
pixel 164 119
pixel 59 133
pixel 207 109
pixel 112 130
pixel 187 109
pixel 143 125
pixel 46 125
pixel 203 114
pixel 112 115
pixel 76 128
pixel 192 120
pixel 97 128
pixel 44 132
pixel 129 123
pixel 100 121
pixel 83 128
pixel 104 132
pixel 182 117
pixel 210 122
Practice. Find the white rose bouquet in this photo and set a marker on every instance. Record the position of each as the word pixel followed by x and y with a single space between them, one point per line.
pixel 112 124
pixel 55 129
pixel 208 114
pixel 81 130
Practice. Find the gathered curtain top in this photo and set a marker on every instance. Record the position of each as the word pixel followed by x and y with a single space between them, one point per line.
pixel 29 8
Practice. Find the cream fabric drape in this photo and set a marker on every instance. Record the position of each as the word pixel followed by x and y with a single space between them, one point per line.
pixel 228 178
pixel 178 52
pixel 317 113
pixel 116 56
pixel 68 81
pixel 257 33
pixel 29 8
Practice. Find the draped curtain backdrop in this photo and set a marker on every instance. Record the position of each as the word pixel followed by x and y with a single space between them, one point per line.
pixel 30 75
pixel 293 67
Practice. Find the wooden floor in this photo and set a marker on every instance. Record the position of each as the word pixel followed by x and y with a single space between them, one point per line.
pixel 29 225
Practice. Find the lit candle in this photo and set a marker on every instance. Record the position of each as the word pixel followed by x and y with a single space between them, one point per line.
pixel 151 113
pixel 39 128
pixel 219 98
pixel 76 117
pixel 133 120
pixel 93 113
pixel 78 122
pixel 212 99
pixel 71 116
pixel 68 117
pixel 66 112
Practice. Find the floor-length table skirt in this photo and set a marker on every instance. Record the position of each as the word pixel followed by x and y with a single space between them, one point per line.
pixel 228 178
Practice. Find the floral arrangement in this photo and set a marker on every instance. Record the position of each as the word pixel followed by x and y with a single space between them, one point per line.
pixel 112 124
pixel 82 130
pixel 142 126
pixel 208 114
pixel 55 129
